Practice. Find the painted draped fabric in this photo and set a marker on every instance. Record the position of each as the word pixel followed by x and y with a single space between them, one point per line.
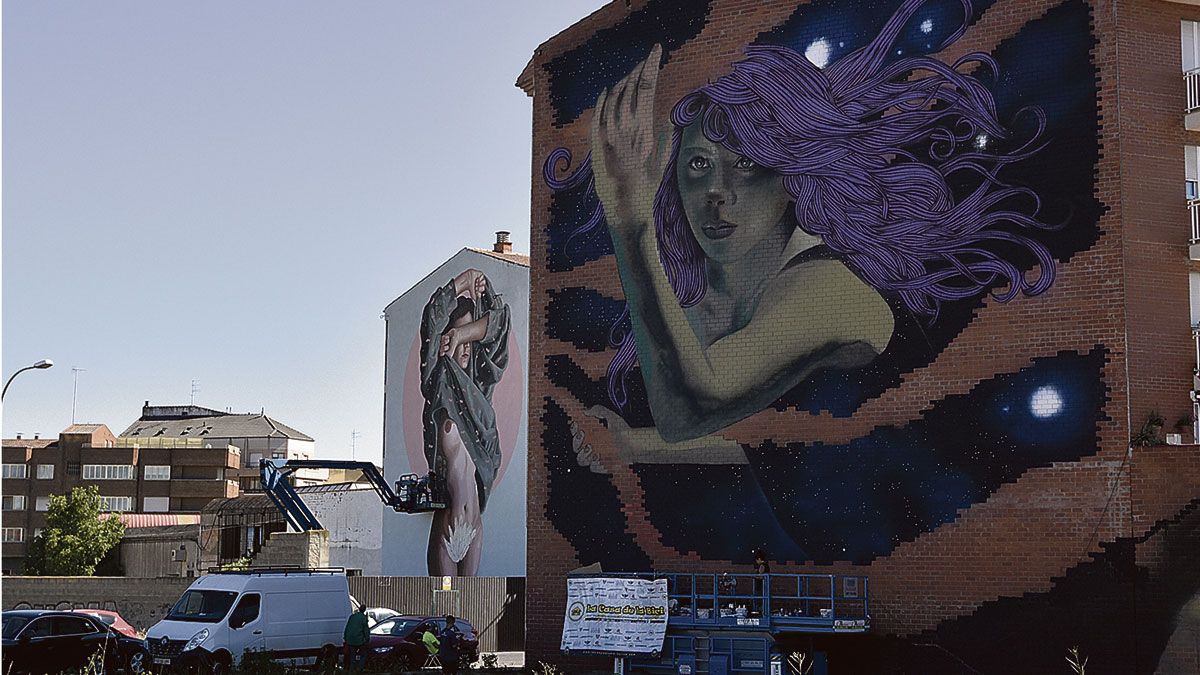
pixel 464 396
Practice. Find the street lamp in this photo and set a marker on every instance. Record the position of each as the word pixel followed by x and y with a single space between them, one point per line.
pixel 40 365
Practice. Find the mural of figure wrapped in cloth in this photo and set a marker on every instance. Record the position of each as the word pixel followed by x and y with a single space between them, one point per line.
pixel 464 352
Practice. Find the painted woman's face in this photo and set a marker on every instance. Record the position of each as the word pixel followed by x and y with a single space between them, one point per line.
pixel 731 203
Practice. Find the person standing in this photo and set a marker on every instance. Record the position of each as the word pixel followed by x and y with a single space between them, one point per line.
pixel 450 640
pixel 763 569
pixel 355 639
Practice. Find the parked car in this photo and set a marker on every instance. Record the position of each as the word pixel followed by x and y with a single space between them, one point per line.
pixel 295 616
pixel 112 620
pixel 45 641
pixel 396 645
pixel 377 614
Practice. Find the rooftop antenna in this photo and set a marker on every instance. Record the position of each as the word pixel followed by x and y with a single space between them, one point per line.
pixel 354 436
pixel 75 371
pixel 195 389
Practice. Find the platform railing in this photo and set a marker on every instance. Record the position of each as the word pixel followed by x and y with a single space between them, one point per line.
pixel 801 602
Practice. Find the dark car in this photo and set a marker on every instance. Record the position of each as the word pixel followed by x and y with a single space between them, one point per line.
pixel 44 641
pixel 396 642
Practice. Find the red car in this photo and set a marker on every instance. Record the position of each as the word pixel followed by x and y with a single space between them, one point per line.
pixel 396 645
pixel 112 620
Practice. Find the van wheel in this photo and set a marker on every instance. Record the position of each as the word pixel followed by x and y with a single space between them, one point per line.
pixel 213 664
pixel 327 662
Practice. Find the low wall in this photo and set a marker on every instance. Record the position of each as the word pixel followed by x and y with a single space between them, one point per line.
pixel 494 605
pixel 142 602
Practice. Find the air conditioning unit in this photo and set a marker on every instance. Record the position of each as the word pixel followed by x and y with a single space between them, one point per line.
pixel 1174 439
pixel 179 554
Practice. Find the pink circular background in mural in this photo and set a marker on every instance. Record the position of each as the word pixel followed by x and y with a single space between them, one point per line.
pixel 506 399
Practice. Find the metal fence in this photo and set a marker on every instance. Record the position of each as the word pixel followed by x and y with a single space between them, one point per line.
pixel 1191 83
pixel 495 606
pixel 1194 212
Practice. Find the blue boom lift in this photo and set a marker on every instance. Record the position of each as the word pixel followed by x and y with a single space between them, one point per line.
pixel 413 493
pixel 738 624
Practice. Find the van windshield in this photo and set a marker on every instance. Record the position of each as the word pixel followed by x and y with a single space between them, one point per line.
pixel 206 606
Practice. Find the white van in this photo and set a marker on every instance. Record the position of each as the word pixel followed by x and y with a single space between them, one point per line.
pixel 295 616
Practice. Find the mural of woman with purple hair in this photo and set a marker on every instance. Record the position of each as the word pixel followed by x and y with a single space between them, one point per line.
pixel 758 246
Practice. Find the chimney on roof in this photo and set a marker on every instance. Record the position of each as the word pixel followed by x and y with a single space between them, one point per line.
pixel 18 435
pixel 35 436
pixel 502 245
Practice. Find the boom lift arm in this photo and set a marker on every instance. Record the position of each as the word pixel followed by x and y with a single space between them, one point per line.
pixel 413 493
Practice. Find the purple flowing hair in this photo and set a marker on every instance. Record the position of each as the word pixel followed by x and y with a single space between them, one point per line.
pixel 866 148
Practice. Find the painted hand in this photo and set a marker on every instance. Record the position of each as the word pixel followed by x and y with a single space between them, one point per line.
pixel 451 339
pixel 627 156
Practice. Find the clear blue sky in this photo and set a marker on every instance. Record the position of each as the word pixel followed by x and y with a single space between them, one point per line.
pixel 232 191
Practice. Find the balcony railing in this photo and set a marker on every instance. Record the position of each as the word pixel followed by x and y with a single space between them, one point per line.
pixel 1191 83
pixel 1194 211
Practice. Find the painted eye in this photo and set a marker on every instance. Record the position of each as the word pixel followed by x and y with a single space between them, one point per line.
pixel 745 164
pixel 698 163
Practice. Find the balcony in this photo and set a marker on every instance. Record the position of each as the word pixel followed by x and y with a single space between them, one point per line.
pixel 1193 206
pixel 1191 87
pixel 203 487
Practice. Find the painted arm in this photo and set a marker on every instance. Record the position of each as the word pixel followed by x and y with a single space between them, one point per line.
pixel 646 446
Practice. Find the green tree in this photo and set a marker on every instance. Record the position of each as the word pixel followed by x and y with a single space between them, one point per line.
pixel 75 538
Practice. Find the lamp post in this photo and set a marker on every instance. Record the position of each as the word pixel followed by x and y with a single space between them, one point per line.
pixel 40 365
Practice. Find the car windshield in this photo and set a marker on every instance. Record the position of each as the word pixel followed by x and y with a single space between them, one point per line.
pixel 206 606
pixel 393 627
pixel 13 625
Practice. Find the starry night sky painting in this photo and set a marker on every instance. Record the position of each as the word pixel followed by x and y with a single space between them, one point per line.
pixel 1028 164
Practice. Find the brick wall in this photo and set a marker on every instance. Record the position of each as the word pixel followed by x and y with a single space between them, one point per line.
pixel 142 602
pixel 987 512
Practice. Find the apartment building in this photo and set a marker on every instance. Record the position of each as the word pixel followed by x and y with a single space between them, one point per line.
pixel 920 286
pixel 255 434
pixel 144 475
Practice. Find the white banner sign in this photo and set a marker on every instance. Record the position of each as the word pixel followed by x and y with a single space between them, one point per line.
pixel 607 614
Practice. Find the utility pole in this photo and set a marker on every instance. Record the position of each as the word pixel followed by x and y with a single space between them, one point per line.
pixel 354 436
pixel 75 371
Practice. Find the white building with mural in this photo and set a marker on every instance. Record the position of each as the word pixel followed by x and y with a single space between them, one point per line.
pixel 455 403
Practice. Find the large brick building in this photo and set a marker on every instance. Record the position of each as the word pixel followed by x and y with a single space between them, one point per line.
pixel 146 475
pixel 882 289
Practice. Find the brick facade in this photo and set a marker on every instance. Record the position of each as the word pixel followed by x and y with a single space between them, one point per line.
pixel 1014 513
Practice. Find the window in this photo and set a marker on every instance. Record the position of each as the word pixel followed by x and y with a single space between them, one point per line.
pixel 15 471
pixel 156 504
pixel 109 472
pixel 11 535
pixel 116 503
pixel 72 468
pixel 1189 38
pixel 246 611
pixel 41 504
pixel 72 625
pixel 156 472
pixel 13 503
pixel 45 471
pixel 1191 171
pixel 1194 293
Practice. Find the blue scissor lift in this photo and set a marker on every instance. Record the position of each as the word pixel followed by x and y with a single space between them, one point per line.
pixel 722 624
